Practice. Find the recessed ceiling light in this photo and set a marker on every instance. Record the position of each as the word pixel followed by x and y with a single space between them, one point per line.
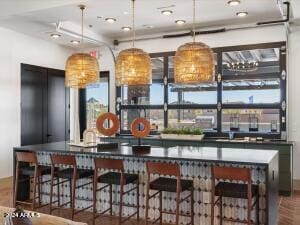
pixel 55 36
pixel 126 29
pixel 234 2
pixel 110 20
pixel 167 12
pixel 75 42
pixel 125 13
pixel 242 14
pixel 180 22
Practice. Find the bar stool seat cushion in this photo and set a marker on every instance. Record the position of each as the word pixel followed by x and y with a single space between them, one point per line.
pixel 170 184
pixel 234 190
pixel 68 173
pixel 29 170
pixel 114 178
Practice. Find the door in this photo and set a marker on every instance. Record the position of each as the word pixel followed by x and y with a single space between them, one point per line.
pixel 33 104
pixel 44 106
pixel 57 129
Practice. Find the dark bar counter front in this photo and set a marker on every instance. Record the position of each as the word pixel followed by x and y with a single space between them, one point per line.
pixel 195 163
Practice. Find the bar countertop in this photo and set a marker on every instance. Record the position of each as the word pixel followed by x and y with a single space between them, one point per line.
pixel 230 155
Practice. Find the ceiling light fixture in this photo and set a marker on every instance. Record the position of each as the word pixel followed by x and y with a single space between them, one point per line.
pixel 110 20
pixel 242 14
pixel 133 65
pixel 81 68
pixel 75 42
pixel 180 22
pixel 234 2
pixel 55 36
pixel 126 29
pixel 194 61
pixel 167 12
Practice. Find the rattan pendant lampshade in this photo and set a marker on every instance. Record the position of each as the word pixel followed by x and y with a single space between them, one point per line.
pixel 81 68
pixel 194 61
pixel 133 65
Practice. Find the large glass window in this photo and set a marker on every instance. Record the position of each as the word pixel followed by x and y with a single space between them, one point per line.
pixel 248 94
pixel 97 99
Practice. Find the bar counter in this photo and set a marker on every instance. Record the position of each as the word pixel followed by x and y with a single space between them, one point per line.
pixel 195 163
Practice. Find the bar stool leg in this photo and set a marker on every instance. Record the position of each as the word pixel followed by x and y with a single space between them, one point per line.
pixel 94 198
pixel 212 214
pixel 147 203
pixel 138 200
pixel 58 192
pixel 257 210
pixel 121 202
pixel 249 212
pixel 34 189
pixel 177 206
pixel 110 199
pixel 221 210
pixel 40 180
pixel 160 208
pixel 51 191
pixel 73 197
pixel 16 185
pixel 192 207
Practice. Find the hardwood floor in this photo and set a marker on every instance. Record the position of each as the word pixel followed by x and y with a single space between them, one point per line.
pixel 289 210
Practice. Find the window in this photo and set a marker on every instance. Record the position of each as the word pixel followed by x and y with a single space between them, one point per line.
pixel 96 100
pixel 205 119
pixel 248 95
pixel 251 120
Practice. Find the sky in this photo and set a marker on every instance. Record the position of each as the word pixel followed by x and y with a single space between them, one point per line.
pixel 100 91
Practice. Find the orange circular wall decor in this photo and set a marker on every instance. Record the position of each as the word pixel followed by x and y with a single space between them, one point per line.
pixel 140 133
pixel 108 131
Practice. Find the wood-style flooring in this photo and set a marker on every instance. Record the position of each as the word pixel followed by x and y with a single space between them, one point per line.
pixel 289 210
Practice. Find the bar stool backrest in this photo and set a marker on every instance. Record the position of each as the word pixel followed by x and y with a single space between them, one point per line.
pixel 110 164
pixel 165 169
pixel 67 160
pixel 231 173
pixel 29 157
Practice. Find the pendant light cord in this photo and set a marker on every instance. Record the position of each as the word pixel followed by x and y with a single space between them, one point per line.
pixel 82 7
pixel 194 16
pixel 133 23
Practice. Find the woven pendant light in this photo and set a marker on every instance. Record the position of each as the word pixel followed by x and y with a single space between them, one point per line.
pixel 133 65
pixel 194 61
pixel 81 68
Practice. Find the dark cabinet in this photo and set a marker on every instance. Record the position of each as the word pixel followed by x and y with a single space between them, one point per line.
pixel 44 105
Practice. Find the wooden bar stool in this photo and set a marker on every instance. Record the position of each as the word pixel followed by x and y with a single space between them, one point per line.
pixel 116 176
pixel 234 190
pixel 33 171
pixel 68 173
pixel 176 185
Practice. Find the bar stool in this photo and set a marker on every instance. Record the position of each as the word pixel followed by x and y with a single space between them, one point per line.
pixel 68 173
pixel 33 171
pixel 234 190
pixel 116 176
pixel 175 185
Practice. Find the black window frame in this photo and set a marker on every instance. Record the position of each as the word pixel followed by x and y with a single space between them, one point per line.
pixel 282 105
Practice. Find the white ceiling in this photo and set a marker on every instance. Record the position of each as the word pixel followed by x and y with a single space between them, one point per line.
pixel 37 17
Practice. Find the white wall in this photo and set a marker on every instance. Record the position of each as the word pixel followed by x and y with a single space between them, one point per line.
pixel 16 48
pixel 294 97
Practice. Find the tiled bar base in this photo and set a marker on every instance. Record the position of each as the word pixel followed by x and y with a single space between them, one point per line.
pixel 199 171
